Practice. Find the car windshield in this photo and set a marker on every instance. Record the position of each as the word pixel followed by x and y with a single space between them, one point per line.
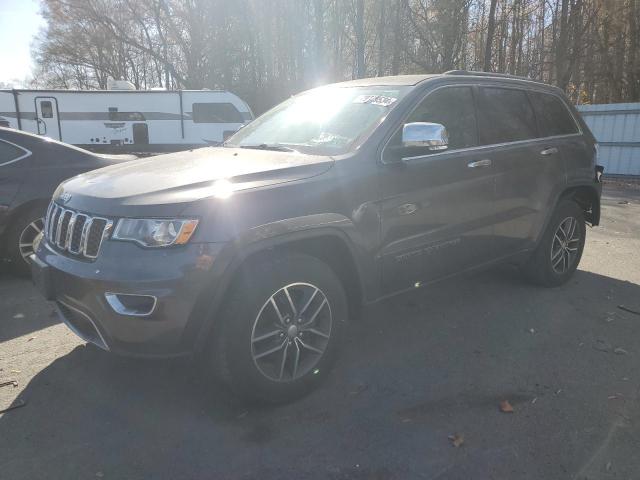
pixel 324 121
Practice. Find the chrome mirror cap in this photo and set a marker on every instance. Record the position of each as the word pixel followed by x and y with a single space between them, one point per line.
pixel 425 134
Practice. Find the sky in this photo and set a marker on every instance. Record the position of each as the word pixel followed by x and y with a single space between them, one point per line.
pixel 20 21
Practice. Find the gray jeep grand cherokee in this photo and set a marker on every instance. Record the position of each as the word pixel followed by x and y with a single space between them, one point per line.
pixel 253 255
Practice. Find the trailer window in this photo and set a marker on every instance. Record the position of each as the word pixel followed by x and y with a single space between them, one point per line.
pixel 47 109
pixel 216 113
pixel 116 116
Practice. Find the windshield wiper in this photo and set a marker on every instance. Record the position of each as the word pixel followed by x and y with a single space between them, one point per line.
pixel 266 146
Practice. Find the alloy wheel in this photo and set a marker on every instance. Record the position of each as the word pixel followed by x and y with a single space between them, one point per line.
pixel 564 248
pixel 27 236
pixel 291 332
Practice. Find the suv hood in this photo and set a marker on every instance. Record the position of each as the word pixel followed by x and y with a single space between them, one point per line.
pixel 164 184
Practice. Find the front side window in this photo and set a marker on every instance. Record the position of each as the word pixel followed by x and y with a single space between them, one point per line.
pixel 505 115
pixel 216 113
pixel 9 153
pixel 553 116
pixel 324 121
pixel 453 108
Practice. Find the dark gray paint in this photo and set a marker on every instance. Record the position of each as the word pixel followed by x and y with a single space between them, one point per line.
pixel 402 222
pixel 32 180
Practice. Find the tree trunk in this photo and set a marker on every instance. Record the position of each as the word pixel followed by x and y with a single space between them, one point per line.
pixel 490 32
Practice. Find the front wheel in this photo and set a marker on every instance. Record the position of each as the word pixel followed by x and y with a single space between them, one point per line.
pixel 560 249
pixel 281 328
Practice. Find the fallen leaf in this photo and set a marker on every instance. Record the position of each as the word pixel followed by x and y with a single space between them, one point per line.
pixel 31 338
pixel 505 407
pixel 457 439
pixel 620 351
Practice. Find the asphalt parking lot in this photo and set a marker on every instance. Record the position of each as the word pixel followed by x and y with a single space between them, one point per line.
pixel 416 370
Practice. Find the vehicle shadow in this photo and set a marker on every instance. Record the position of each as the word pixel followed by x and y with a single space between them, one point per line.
pixel 415 370
pixel 18 317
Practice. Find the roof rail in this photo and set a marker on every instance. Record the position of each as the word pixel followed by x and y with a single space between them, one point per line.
pixel 486 74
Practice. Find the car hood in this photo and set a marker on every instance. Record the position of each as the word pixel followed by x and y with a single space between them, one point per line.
pixel 163 185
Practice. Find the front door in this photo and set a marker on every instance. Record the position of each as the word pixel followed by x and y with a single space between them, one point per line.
pixel 437 207
pixel 47 119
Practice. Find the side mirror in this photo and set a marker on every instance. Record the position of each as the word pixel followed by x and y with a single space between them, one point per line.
pixel 432 136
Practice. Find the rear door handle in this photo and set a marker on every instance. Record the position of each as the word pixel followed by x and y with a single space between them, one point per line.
pixel 479 163
pixel 549 151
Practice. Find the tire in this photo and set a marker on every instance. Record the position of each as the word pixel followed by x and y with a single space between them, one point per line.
pixel 251 327
pixel 19 237
pixel 555 259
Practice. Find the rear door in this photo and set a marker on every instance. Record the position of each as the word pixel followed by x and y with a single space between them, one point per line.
pixel 47 117
pixel 437 209
pixel 528 167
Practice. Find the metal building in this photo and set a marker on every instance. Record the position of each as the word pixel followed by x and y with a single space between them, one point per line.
pixel 616 126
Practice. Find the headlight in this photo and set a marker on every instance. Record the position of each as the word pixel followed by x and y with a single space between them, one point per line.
pixel 150 232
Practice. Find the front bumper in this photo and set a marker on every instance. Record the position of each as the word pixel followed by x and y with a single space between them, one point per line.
pixel 177 278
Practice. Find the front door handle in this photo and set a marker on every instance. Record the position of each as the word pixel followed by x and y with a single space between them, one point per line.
pixel 480 163
pixel 549 151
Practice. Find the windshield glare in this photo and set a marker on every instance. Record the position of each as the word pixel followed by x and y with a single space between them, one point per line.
pixel 323 121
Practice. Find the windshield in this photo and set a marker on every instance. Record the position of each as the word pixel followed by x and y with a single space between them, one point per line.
pixel 323 121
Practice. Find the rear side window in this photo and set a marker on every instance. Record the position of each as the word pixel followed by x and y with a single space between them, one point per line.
pixel 553 116
pixel 216 113
pixel 453 108
pixel 9 153
pixel 505 115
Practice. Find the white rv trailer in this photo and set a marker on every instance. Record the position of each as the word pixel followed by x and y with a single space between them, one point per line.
pixel 126 120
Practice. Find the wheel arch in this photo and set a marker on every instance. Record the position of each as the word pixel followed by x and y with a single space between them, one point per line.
pixel 329 244
pixel 588 198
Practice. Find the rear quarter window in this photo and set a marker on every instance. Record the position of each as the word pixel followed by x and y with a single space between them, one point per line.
pixel 9 153
pixel 505 115
pixel 553 115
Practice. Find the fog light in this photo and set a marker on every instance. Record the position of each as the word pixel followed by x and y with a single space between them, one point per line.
pixel 131 304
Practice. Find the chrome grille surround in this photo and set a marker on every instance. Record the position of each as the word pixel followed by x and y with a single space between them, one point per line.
pixel 77 233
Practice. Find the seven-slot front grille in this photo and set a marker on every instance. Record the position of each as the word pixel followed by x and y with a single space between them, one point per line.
pixel 75 232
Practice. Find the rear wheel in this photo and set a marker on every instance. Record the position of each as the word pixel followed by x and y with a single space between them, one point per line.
pixel 282 328
pixel 20 239
pixel 560 249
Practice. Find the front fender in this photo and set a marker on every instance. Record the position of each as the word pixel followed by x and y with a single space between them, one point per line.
pixel 268 237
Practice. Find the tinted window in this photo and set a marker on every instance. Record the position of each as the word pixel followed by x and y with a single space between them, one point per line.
pixel 553 116
pixel 47 109
pixel 453 108
pixel 505 115
pixel 216 113
pixel 127 116
pixel 9 152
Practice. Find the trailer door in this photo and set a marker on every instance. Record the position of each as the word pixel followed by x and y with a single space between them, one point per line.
pixel 47 117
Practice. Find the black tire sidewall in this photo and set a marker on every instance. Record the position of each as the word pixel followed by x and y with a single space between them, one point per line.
pixel 256 284
pixel 542 266
pixel 18 265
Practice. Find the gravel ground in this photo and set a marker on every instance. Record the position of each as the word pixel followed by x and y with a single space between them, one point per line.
pixel 417 369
